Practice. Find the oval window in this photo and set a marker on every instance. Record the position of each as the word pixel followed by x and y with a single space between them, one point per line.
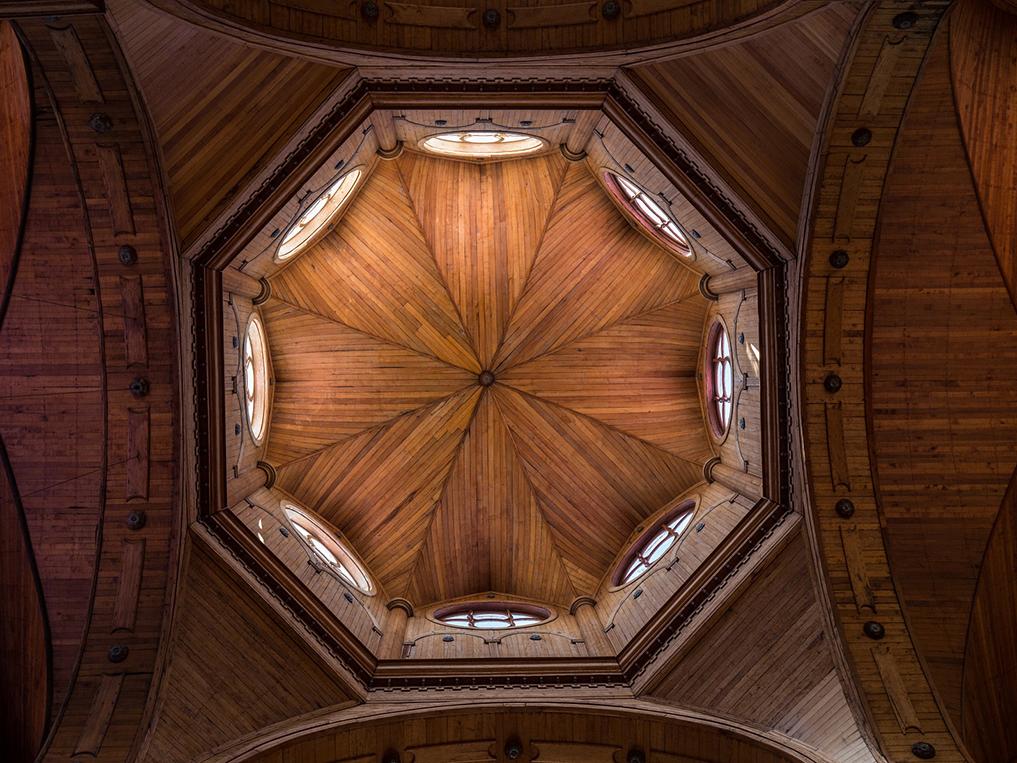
pixel 482 144
pixel 324 546
pixel 654 544
pixel 256 378
pixel 314 220
pixel 651 216
pixel 492 615
pixel 719 373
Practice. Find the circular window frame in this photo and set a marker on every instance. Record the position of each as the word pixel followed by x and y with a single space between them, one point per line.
pixel 686 506
pixel 612 181
pixel 332 540
pixel 719 430
pixel 544 613
pixel 424 146
pixel 256 411
pixel 329 214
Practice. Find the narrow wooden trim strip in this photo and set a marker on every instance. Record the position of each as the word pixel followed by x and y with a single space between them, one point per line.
pixel 94 732
pixel 125 607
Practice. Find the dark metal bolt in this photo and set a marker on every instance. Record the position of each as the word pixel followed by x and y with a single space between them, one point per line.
pixel 100 122
pixel 635 756
pixel 448 639
pixel 845 508
pixel 839 258
pixel 513 748
pixel 874 630
pixel 491 18
pixel 611 10
pixel 138 386
pixel 923 750
pixel 832 383
pixel 127 254
pixel 117 653
pixel 370 10
pixel 861 136
pixel 535 637
pixel 905 20
pixel 136 520
pixel 284 532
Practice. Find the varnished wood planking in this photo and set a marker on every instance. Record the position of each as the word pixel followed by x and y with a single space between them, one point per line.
pixel 983 59
pixel 380 488
pixel 331 382
pixel 766 91
pixel 488 532
pixel 638 375
pixel 990 665
pixel 233 667
pixel 782 667
pixel 15 145
pixel 938 286
pixel 375 274
pixel 579 284
pixel 484 250
pixel 51 400
pixel 593 483
pixel 220 109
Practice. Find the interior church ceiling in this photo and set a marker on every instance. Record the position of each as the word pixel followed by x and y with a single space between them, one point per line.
pixel 426 382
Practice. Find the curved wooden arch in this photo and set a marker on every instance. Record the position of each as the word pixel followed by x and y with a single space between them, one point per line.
pixel 718 736
pixel 844 523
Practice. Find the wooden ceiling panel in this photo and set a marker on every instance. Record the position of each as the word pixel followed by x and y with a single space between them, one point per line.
pixel 943 364
pixel 579 283
pixel 221 110
pixel 376 274
pixel 488 533
pixel 234 667
pixel 381 488
pixel 484 228
pixel 752 108
pixel 331 381
pixel 594 484
pixel 15 145
pixel 638 376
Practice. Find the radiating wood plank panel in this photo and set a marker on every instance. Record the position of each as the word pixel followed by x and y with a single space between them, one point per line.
pixel 983 57
pixel 765 91
pixel 638 375
pixel 51 398
pixel 593 483
pixel 233 666
pixel 944 357
pixel 990 666
pixel 331 381
pixel 380 488
pixel 221 110
pixel 781 676
pixel 484 223
pixel 579 284
pixel 375 273
pixel 15 147
pixel 488 533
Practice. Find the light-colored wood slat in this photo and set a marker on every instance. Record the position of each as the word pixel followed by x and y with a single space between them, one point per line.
pixel 15 145
pixel 579 284
pixel 484 223
pixel 488 533
pixel 638 375
pixel 380 488
pixel 768 90
pixel 331 382
pixel 375 273
pixel 132 565
pixel 220 109
pixel 593 483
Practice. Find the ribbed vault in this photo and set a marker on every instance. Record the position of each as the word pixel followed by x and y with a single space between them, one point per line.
pixel 486 378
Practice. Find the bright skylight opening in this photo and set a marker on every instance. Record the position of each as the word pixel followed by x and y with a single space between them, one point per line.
pixel 323 545
pixel 482 144
pixel 719 380
pixel 654 544
pixel 316 218
pixel 492 616
pixel 650 214
pixel 256 378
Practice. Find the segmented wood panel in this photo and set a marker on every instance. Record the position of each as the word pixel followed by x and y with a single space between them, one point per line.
pixel 944 359
pixel 221 110
pixel 766 91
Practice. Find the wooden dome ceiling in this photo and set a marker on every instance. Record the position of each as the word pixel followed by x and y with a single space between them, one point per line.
pixel 449 481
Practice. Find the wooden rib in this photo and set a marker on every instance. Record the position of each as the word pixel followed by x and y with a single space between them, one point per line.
pixel 593 483
pixel 579 283
pixel 15 150
pixel 484 227
pixel 332 382
pixel 638 376
pixel 375 273
pixel 487 533
pixel 380 488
